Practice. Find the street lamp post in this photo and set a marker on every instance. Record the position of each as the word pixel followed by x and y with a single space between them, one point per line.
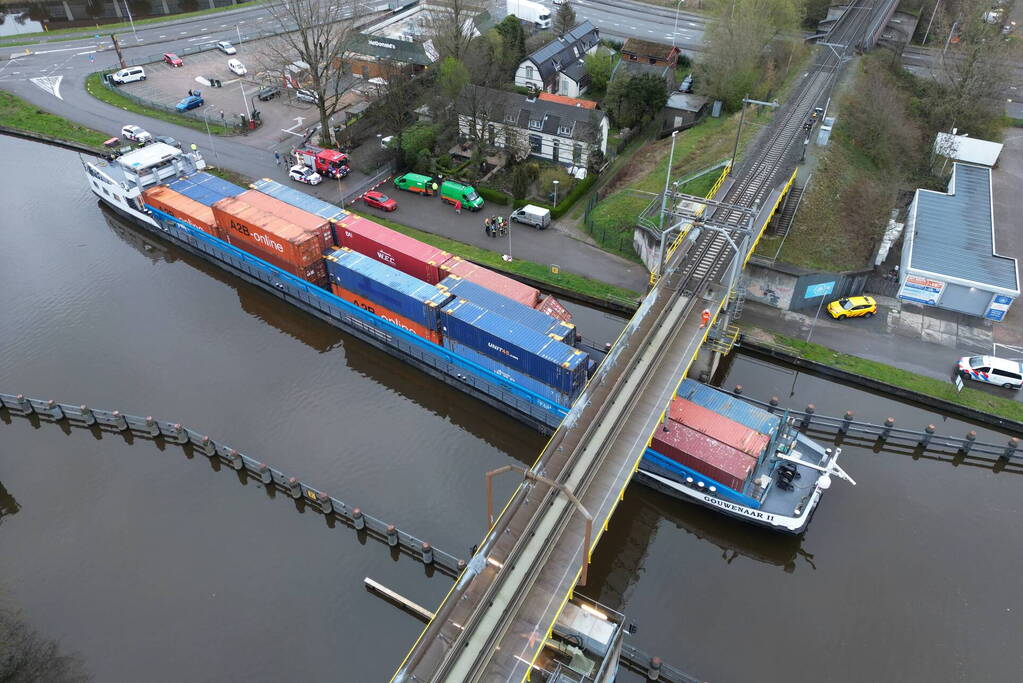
pixel 677 8
pixel 667 179
pixel 928 31
pixel 131 21
pixel 735 147
pixel 555 193
pixel 210 135
pixel 245 100
pixel 238 28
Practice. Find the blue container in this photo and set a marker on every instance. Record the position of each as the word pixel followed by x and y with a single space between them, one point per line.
pixel 520 348
pixel 509 308
pixel 733 408
pixel 394 290
pixel 524 381
pixel 290 195
pixel 205 188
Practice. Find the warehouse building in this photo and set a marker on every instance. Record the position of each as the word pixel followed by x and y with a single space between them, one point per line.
pixel 949 258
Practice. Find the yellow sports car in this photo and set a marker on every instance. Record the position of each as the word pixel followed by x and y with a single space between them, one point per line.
pixel 852 307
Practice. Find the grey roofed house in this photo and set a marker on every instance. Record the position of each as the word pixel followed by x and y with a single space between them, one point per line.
pixel 518 110
pixel 953 233
pixel 563 56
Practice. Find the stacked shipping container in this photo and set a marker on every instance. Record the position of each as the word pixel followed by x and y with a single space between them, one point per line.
pixel 392 248
pixel 700 452
pixel 320 228
pixel 205 188
pixel 513 289
pixel 180 206
pixel 513 310
pixel 300 199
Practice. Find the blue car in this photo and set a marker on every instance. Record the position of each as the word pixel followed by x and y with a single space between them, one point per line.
pixel 190 102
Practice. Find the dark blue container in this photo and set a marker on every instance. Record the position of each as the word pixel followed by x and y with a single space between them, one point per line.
pixel 394 290
pixel 290 195
pixel 537 387
pixel 509 308
pixel 520 348
pixel 205 188
pixel 733 408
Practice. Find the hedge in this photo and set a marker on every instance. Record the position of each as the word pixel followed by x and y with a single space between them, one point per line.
pixel 577 191
pixel 495 196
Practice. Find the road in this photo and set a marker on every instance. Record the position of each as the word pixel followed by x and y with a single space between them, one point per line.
pixel 625 19
pixel 921 61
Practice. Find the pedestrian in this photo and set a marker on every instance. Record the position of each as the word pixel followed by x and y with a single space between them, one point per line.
pixel 458 207
pixel 277 158
pixel 704 318
pixel 189 92
pixel 221 114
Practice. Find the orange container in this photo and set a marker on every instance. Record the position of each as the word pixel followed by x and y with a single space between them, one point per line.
pixel 495 282
pixel 270 238
pixel 181 207
pixel 311 223
pixel 389 315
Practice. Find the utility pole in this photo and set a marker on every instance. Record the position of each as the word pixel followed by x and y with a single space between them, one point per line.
pixel 742 115
pixel 928 31
pixel 131 21
pixel 117 49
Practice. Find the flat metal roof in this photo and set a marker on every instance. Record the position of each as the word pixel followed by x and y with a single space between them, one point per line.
pixel 954 232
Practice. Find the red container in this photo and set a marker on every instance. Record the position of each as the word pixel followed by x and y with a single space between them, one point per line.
pixel 400 252
pixel 495 282
pixel 707 456
pixel 270 238
pixel 552 307
pixel 311 223
pixel 719 427
pixel 389 315
pixel 178 205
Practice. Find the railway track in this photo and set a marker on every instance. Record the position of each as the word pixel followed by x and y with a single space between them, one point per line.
pixel 537 540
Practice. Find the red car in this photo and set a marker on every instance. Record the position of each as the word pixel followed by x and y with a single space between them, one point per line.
pixel 173 59
pixel 379 200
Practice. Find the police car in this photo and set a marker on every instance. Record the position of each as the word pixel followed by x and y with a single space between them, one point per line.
pixel 1004 373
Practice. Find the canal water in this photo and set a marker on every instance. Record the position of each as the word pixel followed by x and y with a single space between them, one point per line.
pixel 147 564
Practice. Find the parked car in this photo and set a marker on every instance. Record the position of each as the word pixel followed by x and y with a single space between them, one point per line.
pixel 687 84
pixel 226 47
pixel 304 174
pixel 236 67
pixel 193 101
pixel 853 307
pixel 173 59
pixel 991 370
pixel 379 200
pixel 536 216
pixel 306 95
pixel 167 140
pixel 136 134
pixel 267 93
pixel 385 143
pixel 129 75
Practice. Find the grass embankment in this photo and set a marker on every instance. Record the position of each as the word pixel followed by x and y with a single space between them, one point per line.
pixel 17 113
pixel 94 84
pixel 230 176
pixel 86 31
pixel 535 271
pixel 940 389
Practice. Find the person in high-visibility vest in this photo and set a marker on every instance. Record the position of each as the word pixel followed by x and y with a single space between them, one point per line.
pixel 704 317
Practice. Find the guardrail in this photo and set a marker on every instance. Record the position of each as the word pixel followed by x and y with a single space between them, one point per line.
pixel 171 432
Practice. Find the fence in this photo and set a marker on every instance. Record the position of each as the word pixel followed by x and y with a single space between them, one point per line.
pixel 233 125
pixel 379 177
pixel 170 432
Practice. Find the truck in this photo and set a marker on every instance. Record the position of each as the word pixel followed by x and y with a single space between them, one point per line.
pixel 327 162
pixel 532 12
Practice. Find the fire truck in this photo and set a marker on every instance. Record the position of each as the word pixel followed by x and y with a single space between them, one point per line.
pixel 326 162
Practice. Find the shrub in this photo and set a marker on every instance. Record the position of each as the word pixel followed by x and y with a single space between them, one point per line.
pixel 547 178
pixel 494 196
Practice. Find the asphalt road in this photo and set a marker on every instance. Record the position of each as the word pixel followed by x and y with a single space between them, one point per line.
pixel 625 19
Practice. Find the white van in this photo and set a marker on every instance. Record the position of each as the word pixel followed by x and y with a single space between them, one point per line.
pixel 536 216
pixel 129 75
pixel 1004 373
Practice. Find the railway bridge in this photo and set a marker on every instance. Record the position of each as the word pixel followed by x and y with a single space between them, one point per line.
pixel 500 613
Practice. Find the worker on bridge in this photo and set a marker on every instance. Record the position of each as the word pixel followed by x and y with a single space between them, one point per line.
pixel 704 318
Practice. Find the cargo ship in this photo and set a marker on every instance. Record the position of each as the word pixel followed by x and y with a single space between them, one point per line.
pixel 716 450
pixel 486 334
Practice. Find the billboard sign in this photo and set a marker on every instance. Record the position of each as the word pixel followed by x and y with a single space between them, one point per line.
pixel 922 290
pixel 998 307
pixel 819 289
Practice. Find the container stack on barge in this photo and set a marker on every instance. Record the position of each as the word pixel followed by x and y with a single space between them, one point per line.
pixel 489 335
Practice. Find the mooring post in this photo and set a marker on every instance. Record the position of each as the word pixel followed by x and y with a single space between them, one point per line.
pixel 427 551
pixel 737 390
pixel 265 475
pixel 889 422
pixel 846 421
pixel 120 423
pixel 88 419
pixel 23 404
pixel 294 488
pixel 971 436
pixel 392 535
pixel 326 504
pixel 773 405
pixel 358 519
pixel 208 446
pixel 925 438
pixel 154 429
pixel 461 566
pixel 807 416
pixel 653 672
pixel 177 433
pixel 234 458
pixel 56 412
pixel 1010 450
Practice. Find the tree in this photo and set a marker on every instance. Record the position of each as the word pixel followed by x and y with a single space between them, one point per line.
pixel 598 67
pixel 452 26
pixel 26 656
pixel 520 181
pixel 452 76
pixel 739 40
pixel 417 139
pixel 564 19
pixel 479 116
pixel 396 99
pixel 513 45
pixel 633 100
pixel 322 37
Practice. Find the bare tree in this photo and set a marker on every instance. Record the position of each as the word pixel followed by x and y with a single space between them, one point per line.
pixel 320 34
pixel 27 656
pixel 480 117
pixel 395 101
pixel 452 25
pixel 564 19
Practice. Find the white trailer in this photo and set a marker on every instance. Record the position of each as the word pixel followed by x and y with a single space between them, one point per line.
pixel 533 12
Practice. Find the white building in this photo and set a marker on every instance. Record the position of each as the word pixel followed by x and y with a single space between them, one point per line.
pixel 558 66
pixel 545 128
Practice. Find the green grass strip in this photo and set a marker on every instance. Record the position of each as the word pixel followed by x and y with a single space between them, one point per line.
pixel 940 389
pixel 102 29
pixel 17 113
pixel 94 84
pixel 535 271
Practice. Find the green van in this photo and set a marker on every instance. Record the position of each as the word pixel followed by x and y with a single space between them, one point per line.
pixel 452 192
pixel 415 182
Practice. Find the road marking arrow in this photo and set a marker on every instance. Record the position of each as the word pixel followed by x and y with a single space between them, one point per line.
pixel 50 84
